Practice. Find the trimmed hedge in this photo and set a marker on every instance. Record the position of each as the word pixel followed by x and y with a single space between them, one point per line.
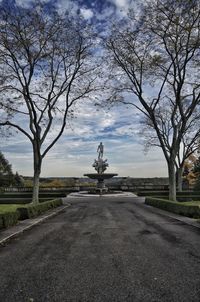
pixel 178 198
pixel 8 219
pixel 184 196
pixel 11 217
pixel 153 193
pixel 1 221
pixel 21 201
pixel 27 195
pixel 33 210
pixel 174 207
pixel 166 193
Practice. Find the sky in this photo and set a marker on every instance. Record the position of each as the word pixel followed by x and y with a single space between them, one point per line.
pixel 118 128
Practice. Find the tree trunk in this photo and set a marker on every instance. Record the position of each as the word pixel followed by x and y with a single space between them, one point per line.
pixel 36 178
pixel 36 183
pixel 180 179
pixel 172 181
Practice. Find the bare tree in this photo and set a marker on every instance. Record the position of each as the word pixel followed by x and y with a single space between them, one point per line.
pixel 156 58
pixel 188 147
pixel 189 144
pixel 45 68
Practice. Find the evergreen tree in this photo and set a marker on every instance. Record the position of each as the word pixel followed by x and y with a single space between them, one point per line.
pixel 7 178
pixel 18 180
pixel 5 167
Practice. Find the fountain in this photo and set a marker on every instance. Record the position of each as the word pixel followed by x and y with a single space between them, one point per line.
pixel 100 166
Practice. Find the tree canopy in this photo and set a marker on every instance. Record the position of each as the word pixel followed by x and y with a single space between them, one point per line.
pixel 155 58
pixel 46 67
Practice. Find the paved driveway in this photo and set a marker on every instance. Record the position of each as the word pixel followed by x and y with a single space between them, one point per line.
pixel 103 250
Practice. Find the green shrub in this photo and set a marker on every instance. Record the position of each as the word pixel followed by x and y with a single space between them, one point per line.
pixel 187 198
pixel 1 221
pixel 166 193
pixel 181 196
pixel 15 195
pixel 10 214
pixel 10 218
pixel 26 197
pixel 15 201
pixel 187 209
pixel 33 210
pixel 153 193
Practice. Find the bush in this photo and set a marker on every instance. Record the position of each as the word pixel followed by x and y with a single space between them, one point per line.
pixel 188 209
pixel 26 197
pixel 8 219
pixel 33 210
pixel 197 184
pixel 153 193
pixel 166 193
pixel 15 201
pixel 1 221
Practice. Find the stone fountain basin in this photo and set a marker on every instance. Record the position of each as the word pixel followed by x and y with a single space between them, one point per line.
pixel 100 177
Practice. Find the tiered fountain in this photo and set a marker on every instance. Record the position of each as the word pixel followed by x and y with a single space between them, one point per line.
pixel 100 166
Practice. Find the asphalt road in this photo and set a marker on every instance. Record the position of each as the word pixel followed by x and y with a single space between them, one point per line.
pixel 103 250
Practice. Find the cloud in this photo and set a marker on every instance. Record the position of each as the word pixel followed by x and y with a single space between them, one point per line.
pixel 105 14
pixel 122 6
pixel 61 5
pixel 28 3
pixel 67 5
pixel 86 13
pixel 74 153
pixel 118 128
pixel 24 3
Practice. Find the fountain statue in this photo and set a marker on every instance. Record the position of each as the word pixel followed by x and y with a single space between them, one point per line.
pixel 100 166
pixel 100 149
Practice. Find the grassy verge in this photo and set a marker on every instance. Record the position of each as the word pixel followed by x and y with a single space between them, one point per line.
pixel 33 210
pixel 164 193
pixel 184 196
pixel 11 213
pixel 192 203
pixel 8 208
pixel 189 209
pixel 8 215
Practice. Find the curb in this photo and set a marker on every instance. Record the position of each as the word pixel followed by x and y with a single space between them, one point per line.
pixel 85 194
pixel 38 221
pixel 183 219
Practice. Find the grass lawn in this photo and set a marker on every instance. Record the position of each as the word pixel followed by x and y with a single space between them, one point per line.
pixel 10 214
pixel 192 203
pixel 8 207
pixel 189 208
pixel 12 207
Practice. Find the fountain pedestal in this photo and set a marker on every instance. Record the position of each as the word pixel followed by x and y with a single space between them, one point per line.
pixel 100 166
pixel 101 187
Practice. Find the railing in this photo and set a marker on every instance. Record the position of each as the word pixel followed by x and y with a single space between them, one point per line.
pixel 84 187
pixel 30 189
